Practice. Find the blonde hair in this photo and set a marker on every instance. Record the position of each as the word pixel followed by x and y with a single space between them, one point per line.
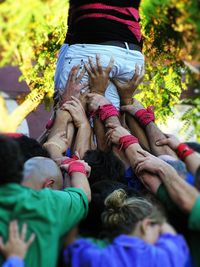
pixel 122 214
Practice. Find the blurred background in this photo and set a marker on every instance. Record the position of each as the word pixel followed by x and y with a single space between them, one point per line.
pixel 32 31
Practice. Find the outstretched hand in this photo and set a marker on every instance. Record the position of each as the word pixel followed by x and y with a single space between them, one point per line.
pixel 126 89
pixel 16 244
pixel 98 77
pixel 73 85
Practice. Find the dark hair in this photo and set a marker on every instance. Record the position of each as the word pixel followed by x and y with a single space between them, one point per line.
pixel 11 161
pixel 104 166
pixel 122 213
pixel 194 145
pixel 197 178
pixel 31 148
pixel 92 225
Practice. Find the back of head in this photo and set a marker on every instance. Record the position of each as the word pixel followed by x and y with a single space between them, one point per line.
pixel 11 161
pixel 178 165
pixel 104 166
pixel 194 145
pixel 122 213
pixel 92 225
pixel 31 148
pixel 42 172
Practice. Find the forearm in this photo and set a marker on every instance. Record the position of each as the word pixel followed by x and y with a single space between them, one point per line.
pixel 79 180
pixel 183 195
pixel 83 139
pixel 154 134
pixel 99 130
pixel 192 162
pixel 62 119
pixel 53 150
pixel 132 154
pixel 137 131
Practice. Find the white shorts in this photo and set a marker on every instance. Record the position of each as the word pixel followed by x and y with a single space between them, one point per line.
pixel 123 68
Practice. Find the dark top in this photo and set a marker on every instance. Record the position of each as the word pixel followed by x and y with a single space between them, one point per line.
pixel 94 22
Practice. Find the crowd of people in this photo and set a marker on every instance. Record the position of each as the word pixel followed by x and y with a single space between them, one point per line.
pixel 103 186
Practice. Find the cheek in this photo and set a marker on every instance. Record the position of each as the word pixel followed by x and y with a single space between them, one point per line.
pixel 153 234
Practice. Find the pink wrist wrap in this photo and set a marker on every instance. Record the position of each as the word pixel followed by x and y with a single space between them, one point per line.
pixel 107 111
pixel 145 116
pixel 126 141
pixel 76 167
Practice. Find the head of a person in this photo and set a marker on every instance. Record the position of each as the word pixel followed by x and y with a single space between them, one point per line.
pixel 11 161
pixel 92 225
pixel 194 145
pixel 30 147
pixel 131 216
pixel 178 165
pixel 104 166
pixel 41 172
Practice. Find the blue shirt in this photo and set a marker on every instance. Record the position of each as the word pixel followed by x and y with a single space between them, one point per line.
pixel 128 251
pixel 13 261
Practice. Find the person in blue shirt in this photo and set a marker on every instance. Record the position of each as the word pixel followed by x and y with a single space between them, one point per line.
pixel 139 237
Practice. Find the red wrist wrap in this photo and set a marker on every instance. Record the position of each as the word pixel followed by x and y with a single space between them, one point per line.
pixel 145 116
pixel 49 124
pixel 76 167
pixel 183 151
pixel 126 141
pixel 107 111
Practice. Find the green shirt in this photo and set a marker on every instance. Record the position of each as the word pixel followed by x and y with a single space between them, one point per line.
pixel 50 214
pixel 193 223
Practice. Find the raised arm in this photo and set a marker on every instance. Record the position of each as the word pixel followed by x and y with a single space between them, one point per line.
pixel 84 131
pixel 183 195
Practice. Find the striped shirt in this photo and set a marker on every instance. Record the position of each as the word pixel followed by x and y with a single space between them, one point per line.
pixel 104 20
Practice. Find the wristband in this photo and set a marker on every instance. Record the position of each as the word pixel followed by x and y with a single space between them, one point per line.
pixel 76 167
pixel 107 111
pixel 145 116
pixel 50 124
pixel 126 141
pixel 13 135
pixel 183 151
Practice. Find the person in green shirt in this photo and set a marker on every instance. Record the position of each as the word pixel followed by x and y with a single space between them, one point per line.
pixel 48 213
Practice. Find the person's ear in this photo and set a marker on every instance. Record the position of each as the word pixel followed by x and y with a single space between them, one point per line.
pixel 49 182
pixel 144 226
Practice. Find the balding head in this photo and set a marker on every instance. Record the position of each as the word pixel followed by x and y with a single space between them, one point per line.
pixel 40 172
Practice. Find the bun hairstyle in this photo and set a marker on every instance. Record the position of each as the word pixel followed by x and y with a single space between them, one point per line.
pixel 122 213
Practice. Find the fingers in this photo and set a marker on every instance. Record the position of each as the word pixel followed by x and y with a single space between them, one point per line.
pixel 110 65
pixel 2 246
pixel 99 66
pixel 13 230
pixel 162 142
pixel 88 70
pixel 92 66
pixel 23 233
pixel 31 239
pixel 79 78
pixel 73 73
pixel 117 83
pixel 111 125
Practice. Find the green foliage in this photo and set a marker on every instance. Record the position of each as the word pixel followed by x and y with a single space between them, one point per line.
pixel 32 32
